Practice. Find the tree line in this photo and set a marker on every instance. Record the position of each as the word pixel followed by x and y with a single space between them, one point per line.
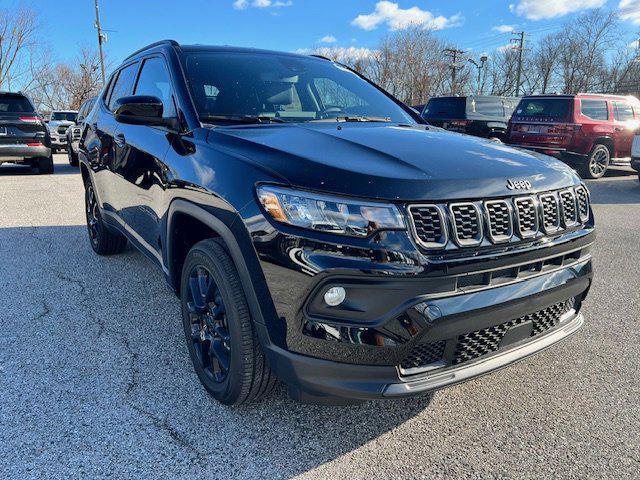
pixel 26 64
pixel 586 54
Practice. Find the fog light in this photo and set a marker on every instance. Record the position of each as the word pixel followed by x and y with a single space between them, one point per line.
pixel 335 296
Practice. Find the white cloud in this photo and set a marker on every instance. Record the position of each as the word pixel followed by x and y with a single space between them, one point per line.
pixel 244 4
pixel 507 47
pixel 541 9
pixel 328 39
pixel 398 18
pixel 630 10
pixel 340 54
pixel 504 28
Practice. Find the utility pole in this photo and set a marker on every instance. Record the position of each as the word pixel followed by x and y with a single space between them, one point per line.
pixel 519 41
pixel 480 66
pixel 453 54
pixel 100 40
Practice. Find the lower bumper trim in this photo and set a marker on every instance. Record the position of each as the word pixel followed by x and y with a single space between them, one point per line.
pixel 434 381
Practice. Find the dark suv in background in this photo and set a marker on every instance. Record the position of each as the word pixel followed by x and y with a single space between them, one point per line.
pixel 317 231
pixel 24 137
pixel 480 115
pixel 587 131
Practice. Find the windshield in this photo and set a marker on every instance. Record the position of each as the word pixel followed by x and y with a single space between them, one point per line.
pixel 283 88
pixel 556 108
pixel 64 116
pixel 14 104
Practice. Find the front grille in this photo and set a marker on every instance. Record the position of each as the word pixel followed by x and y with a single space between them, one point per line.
pixel 428 225
pixel 568 204
pixel 467 226
pixel 500 221
pixel 582 198
pixel 482 342
pixel 513 219
pixel 550 214
pixel 422 355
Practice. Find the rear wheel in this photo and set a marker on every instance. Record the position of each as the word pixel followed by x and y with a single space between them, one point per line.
pixel 103 241
pixel 221 339
pixel 597 162
pixel 45 165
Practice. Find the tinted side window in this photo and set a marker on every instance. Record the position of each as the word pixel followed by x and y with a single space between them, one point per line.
pixel 123 84
pixel 595 109
pixel 491 107
pixel 154 81
pixel 622 111
pixel 445 107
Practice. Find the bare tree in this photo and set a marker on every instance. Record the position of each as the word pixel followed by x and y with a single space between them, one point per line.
pixel 18 33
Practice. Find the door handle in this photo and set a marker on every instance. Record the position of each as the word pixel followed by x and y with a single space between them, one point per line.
pixel 618 129
pixel 119 140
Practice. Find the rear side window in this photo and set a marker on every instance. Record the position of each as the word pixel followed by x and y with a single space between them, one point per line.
pixel 594 109
pixel 15 104
pixel 552 108
pixel 622 111
pixel 123 84
pixel 154 81
pixel 451 107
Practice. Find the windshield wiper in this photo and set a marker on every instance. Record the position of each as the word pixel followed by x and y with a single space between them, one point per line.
pixel 248 119
pixel 355 118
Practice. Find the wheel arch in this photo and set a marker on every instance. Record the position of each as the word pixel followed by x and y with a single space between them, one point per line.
pixel 608 142
pixel 203 223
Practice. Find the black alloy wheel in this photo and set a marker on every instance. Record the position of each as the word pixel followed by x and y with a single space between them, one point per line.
pixel 103 240
pixel 93 215
pixel 209 326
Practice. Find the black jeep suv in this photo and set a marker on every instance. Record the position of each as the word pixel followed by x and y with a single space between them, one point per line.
pixel 317 232
pixel 24 137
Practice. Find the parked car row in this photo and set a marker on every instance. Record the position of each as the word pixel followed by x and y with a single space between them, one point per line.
pixel 590 132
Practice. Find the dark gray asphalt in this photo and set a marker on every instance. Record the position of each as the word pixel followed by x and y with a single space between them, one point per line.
pixel 95 380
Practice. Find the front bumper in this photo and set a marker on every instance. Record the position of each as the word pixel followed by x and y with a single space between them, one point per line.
pixel 19 151
pixel 58 141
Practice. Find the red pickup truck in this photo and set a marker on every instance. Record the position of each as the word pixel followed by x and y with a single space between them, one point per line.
pixel 587 131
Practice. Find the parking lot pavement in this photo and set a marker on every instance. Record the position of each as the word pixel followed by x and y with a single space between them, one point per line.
pixel 95 380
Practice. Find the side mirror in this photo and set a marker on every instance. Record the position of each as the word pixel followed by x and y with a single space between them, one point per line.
pixel 140 110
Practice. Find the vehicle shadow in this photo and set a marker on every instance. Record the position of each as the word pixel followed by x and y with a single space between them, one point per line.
pixel 10 169
pixel 115 352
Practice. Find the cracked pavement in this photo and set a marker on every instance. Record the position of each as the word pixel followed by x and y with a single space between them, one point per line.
pixel 96 382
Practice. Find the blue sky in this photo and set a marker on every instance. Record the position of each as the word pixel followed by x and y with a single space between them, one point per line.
pixel 300 24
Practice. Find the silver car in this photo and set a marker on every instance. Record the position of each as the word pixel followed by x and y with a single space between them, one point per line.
pixel 74 133
pixel 58 121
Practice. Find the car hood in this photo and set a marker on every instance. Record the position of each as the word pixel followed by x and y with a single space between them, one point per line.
pixel 390 161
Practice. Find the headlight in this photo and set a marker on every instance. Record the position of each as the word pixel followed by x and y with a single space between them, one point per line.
pixel 338 215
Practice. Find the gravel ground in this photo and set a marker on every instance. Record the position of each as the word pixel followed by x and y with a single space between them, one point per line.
pixel 95 380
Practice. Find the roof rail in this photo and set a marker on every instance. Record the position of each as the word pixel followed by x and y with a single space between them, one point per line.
pixel 155 44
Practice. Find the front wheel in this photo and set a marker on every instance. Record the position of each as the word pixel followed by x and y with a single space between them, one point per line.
pixel 597 162
pixel 221 339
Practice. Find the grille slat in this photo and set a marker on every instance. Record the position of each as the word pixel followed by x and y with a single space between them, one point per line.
pixel 582 198
pixel 500 221
pixel 467 223
pixel 424 354
pixel 550 213
pixel 428 225
pixel 569 211
pixel 527 216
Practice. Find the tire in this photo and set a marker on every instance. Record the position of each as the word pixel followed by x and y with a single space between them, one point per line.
pixel 103 241
pixel 45 165
pixel 219 329
pixel 597 162
pixel 73 158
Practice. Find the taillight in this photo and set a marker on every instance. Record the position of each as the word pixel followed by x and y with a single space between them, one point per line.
pixel 459 123
pixel 34 144
pixel 30 119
